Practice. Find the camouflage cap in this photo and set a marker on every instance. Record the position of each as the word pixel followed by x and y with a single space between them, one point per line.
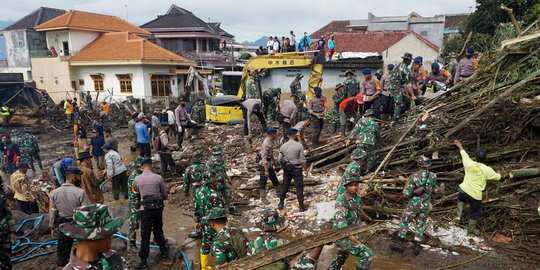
pixel 91 222
pixel 216 213
pixel 338 86
pixel 423 161
pixel 198 156
pixel 349 179
pixel 358 154
pixel 369 112
pixel 136 162
pixel 27 129
pixel 217 150
pixel 270 220
pixel 350 71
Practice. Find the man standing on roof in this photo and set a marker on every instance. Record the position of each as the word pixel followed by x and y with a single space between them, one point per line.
pixel 351 87
pixel 305 42
pixel 252 107
pixel 399 80
pixel 371 87
pixel 465 67
pixel 474 182
pixel 316 108
pixel 418 190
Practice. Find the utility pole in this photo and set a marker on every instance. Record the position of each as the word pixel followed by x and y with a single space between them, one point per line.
pixel 127 16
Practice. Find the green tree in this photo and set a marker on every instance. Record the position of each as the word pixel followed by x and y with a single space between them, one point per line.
pixel 489 15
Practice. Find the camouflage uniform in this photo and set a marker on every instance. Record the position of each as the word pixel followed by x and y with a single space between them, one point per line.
pixel 296 86
pixel 204 200
pixel 251 89
pixel 215 167
pixel 198 112
pixel 6 221
pixel 193 175
pixel 93 222
pixel 223 248
pixel 421 185
pixel 270 101
pixel 29 143
pixel 24 156
pixel 301 110
pixel 348 213
pixel 366 134
pixel 134 200
pixel 353 171
pixel 351 87
pixel 399 78
pixel 337 98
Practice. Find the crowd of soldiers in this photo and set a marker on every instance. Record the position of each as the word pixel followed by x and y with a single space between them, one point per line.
pixel 77 210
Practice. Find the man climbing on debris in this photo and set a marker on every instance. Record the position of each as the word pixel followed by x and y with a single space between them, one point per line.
pixel 64 201
pixel 164 147
pixel 371 88
pixel 116 172
pixel 252 91
pixel 465 67
pixel 230 243
pixel 474 182
pixel 269 223
pixel 89 181
pixel 152 192
pixel 215 166
pixel 348 111
pixel 351 87
pixel 366 135
pixel 267 164
pixel 252 107
pixel 7 230
pixel 418 190
pixel 133 203
pixel 354 170
pixel 93 228
pixel 206 198
pixel 292 160
pixel 437 78
pixel 337 98
pixel 21 187
pixel 399 80
pixel 316 108
pixel 288 115
pixel 193 175
pixel 349 211
pixel 270 101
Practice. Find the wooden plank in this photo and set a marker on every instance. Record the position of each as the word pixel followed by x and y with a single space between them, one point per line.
pixel 297 246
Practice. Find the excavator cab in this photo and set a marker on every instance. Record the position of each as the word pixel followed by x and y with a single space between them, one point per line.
pixel 224 107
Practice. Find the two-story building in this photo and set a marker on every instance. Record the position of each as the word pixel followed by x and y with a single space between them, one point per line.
pixel 107 57
pixel 23 42
pixel 180 31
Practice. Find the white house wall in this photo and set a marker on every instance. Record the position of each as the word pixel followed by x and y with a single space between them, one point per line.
pixel 56 38
pixel 412 45
pixel 17 52
pixel 79 39
pixel 149 70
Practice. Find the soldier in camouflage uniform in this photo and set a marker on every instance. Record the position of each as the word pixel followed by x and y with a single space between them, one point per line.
pixel 93 228
pixel 198 112
pixel 270 101
pixel 193 175
pixel 351 86
pixel 300 98
pixel 418 190
pixel 17 138
pixel 206 198
pixel 216 166
pixel 269 224
pixel 366 135
pixel 399 80
pixel 296 86
pixel 7 231
pixel 337 98
pixel 252 90
pixel 230 243
pixel 348 213
pixel 353 171
pixel 133 205
pixel 29 142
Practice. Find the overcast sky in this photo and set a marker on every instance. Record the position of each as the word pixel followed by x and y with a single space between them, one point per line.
pixel 247 19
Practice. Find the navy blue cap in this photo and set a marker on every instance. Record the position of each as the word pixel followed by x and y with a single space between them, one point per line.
pixel 317 90
pixel 271 131
pixel 292 131
pixel 366 71
pixel 163 124
pixel 107 146
pixel 146 160
pixel 23 164
pixel 435 66
pixel 257 106
pixel 418 60
pixel 73 170
pixel 390 66
pixel 470 50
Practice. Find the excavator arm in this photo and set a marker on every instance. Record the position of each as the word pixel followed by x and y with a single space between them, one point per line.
pixel 283 60
pixel 194 74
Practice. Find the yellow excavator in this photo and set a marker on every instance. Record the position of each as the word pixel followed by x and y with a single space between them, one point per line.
pixel 226 108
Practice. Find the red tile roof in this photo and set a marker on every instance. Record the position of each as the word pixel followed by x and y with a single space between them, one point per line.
pixel 339 26
pixel 87 21
pixel 374 41
pixel 124 46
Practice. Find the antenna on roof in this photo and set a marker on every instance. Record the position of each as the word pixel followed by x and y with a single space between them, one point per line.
pixel 127 17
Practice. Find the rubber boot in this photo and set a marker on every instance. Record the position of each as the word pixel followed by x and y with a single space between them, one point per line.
pixel 205 262
pixel 343 130
pixel 262 195
pixel 165 251
pixel 416 248
pixel 141 266
pixel 280 205
pixel 398 246
pixel 471 228
pixel 459 212
pixel 133 246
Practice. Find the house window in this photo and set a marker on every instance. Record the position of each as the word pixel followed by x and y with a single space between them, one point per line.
pixel 161 85
pixel 98 82
pixel 73 85
pixel 81 82
pixel 423 33
pixel 125 83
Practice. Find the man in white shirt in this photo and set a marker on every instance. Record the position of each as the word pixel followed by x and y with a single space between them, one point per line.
pixel 172 124
pixel 270 45
pixel 293 40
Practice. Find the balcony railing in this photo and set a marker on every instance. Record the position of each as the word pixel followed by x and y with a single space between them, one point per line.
pixel 48 54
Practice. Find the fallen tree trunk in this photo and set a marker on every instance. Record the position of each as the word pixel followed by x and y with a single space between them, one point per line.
pixel 297 246
pixel 522 173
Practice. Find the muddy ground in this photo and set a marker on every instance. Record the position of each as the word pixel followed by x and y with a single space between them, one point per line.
pixel 178 221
